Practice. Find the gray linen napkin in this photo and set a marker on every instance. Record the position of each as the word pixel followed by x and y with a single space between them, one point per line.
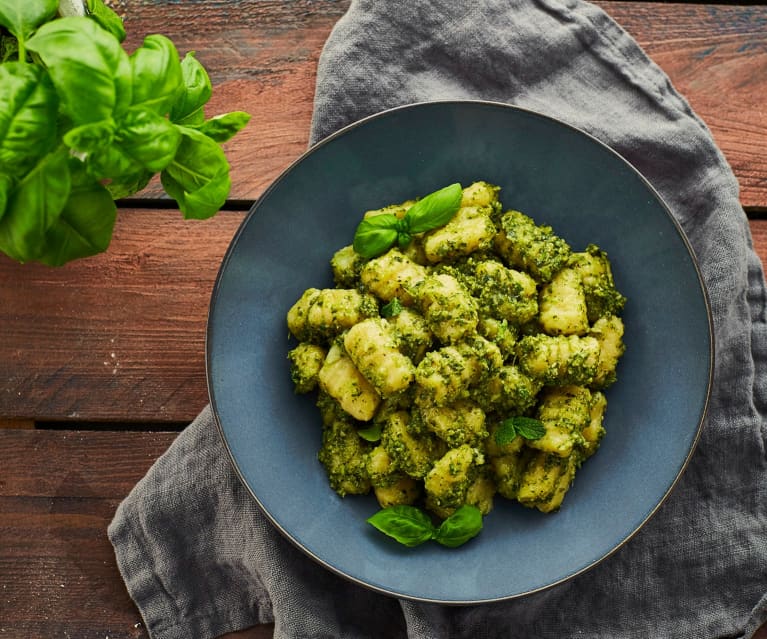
pixel 198 557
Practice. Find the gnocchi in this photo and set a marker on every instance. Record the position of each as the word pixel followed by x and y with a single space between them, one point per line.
pixel 437 342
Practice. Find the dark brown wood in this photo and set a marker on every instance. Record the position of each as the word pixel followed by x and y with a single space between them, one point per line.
pixel 119 336
pixel 262 58
pixel 58 493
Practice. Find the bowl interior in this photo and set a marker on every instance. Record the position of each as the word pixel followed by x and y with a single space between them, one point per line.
pixel 559 176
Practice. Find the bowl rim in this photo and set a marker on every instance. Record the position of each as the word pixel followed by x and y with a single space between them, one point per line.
pixel 344 131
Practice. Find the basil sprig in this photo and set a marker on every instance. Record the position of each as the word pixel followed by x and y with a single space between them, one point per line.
pixel 526 427
pixel 411 527
pixel 84 123
pixel 376 234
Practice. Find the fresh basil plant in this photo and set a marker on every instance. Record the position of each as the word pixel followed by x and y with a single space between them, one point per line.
pixel 83 123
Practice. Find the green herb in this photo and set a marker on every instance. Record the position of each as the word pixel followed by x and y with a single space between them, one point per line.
pixel 83 123
pixel 394 307
pixel 410 526
pixel 376 234
pixel 464 524
pixel 526 427
pixel 371 433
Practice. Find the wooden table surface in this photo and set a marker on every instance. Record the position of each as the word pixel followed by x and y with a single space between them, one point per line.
pixel 102 361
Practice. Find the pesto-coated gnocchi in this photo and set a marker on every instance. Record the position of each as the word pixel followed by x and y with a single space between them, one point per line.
pixel 422 354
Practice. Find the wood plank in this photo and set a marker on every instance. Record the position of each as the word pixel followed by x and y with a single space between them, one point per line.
pixel 58 494
pixel 262 58
pixel 119 336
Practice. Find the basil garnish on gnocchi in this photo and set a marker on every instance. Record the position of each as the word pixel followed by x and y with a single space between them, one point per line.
pixel 465 364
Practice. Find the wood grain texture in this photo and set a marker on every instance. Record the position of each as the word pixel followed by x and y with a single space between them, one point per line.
pixel 119 336
pixel 58 493
pixel 262 58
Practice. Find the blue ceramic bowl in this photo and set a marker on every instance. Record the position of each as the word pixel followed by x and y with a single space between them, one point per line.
pixel 558 175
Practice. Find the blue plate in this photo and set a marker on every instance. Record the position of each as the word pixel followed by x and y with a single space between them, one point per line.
pixel 559 176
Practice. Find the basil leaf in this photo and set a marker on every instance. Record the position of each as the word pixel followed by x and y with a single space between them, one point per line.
pixel 89 68
pixel 148 138
pixel 156 76
pixel 28 108
pixel 34 206
pixel 194 93
pixel 371 433
pixel 6 184
pixel 91 137
pixel 86 222
pixel 434 210
pixel 394 307
pixel 198 177
pixel 127 185
pixel 375 235
pixel 106 18
pixel 111 162
pixel 223 127
pixel 406 524
pixel 464 524
pixel 22 17
pixel 526 427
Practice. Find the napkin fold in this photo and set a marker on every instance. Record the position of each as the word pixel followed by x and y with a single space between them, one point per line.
pixel 199 558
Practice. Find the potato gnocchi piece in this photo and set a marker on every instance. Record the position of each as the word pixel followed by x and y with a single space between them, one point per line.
pixel 373 348
pixel 305 363
pixel 341 379
pixel 501 333
pixel 560 359
pixel 481 194
pixel 531 247
pixel 343 454
pixel 505 293
pixel 563 305
pixel 448 481
pixel 460 423
pixel 509 390
pixel 545 481
pixel 346 264
pixel 594 431
pixel 413 333
pixel 448 374
pixel 449 310
pixel 470 230
pixel 564 412
pixel 392 275
pixel 413 454
pixel 321 314
pixel 602 298
pixel 608 331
